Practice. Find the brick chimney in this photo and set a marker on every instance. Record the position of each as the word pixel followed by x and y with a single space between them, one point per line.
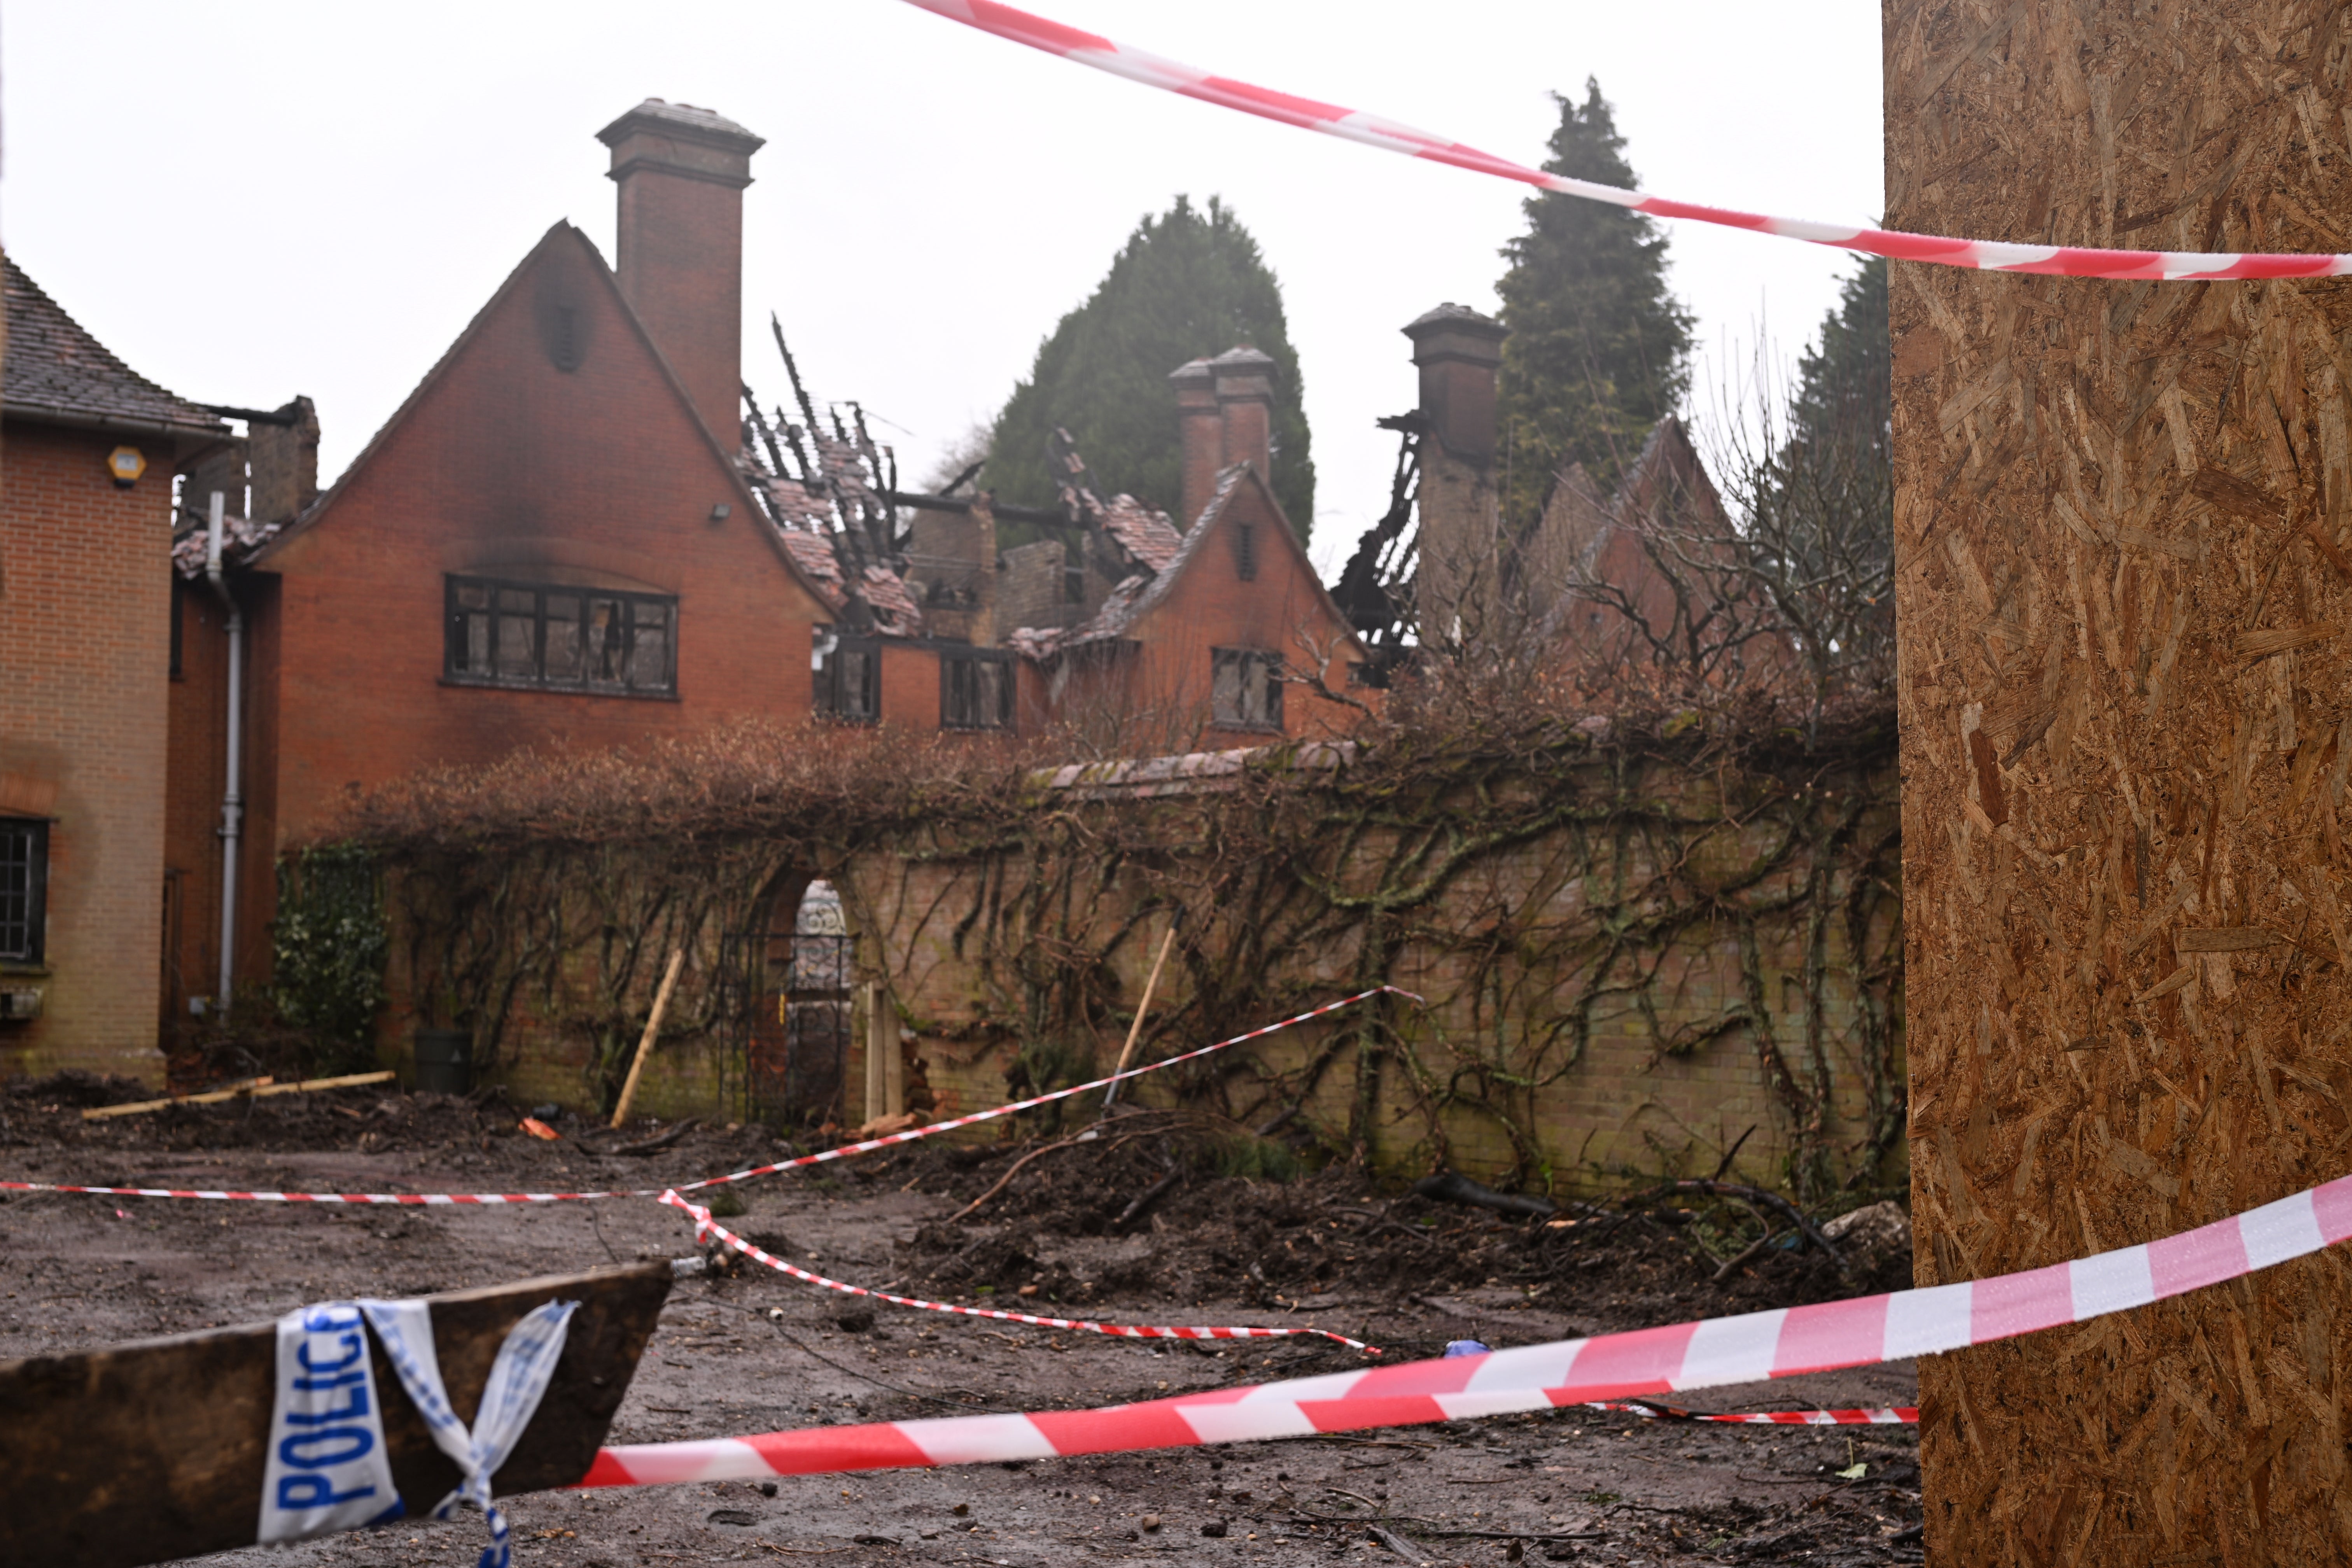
pixel 1457 351
pixel 1459 582
pixel 1204 436
pixel 682 170
pixel 1245 386
pixel 283 456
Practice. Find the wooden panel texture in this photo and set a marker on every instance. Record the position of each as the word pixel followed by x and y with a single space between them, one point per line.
pixel 2124 585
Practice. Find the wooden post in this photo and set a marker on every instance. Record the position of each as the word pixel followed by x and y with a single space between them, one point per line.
pixel 2125 698
pixel 877 1072
pixel 1142 1008
pixel 645 1043
pixel 894 1058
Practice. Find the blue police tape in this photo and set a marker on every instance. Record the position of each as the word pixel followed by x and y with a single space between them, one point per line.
pixel 328 1468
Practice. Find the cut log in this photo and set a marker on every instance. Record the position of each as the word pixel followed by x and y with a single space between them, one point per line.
pixel 153 1452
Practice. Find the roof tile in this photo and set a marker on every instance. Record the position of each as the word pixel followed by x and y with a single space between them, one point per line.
pixel 53 367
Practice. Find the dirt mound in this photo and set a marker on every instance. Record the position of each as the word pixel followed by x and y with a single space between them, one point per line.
pixel 1190 1229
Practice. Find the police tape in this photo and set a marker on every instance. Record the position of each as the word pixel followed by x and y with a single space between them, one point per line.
pixel 1153 70
pixel 436 1200
pixel 1878 1415
pixel 706 1228
pixel 1755 1347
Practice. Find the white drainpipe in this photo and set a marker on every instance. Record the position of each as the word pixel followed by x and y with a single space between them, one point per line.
pixel 232 798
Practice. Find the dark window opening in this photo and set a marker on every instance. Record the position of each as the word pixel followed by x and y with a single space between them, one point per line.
pixel 847 677
pixel 975 691
pixel 543 637
pixel 1074 579
pixel 1246 551
pixel 24 889
pixel 1245 688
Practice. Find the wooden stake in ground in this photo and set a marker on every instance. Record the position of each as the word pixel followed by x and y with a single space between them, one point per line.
pixel 1134 1030
pixel 645 1044
pixel 881 1045
pixel 237 1091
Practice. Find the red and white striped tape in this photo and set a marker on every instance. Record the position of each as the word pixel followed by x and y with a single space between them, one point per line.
pixel 1152 71
pixel 846 1150
pixel 1712 1354
pixel 1879 1415
pixel 705 1227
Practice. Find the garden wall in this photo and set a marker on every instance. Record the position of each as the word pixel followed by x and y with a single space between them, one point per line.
pixel 1635 954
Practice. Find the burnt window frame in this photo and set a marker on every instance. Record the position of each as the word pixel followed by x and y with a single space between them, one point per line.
pixel 455 643
pixel 30 929
pixel 1272 666
pixel 953 659
pixel 827 665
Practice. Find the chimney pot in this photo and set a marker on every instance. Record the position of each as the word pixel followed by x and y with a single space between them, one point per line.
pixel 1458 350
pixel 679 252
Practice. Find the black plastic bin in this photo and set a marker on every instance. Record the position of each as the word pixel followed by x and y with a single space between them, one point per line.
pixel 445 1060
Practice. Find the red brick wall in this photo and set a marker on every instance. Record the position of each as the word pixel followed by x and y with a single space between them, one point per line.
pixel 84 655
pixel 910 684
pixel 505 465
pixel 680 251
pixel 1210 607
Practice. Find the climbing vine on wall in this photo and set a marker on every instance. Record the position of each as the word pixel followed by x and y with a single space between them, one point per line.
pixel 1555 891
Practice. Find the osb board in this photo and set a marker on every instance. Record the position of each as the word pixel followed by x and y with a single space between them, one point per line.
pixel 2121 524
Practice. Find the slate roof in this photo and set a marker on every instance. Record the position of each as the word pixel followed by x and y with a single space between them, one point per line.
pixel 55 367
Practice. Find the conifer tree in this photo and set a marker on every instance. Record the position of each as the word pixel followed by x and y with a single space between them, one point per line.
pixel 1188 284
pixel 1599 349
pixel 1845 382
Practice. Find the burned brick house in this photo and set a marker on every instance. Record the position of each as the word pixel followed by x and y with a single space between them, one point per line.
pixel 1636 574
pixel 1123 627
pixel 549 545
pixel 87 456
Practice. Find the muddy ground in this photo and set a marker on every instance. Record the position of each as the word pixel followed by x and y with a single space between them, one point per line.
pixel 1232 1234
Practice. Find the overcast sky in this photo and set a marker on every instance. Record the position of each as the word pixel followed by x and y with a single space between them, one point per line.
pixel 253 200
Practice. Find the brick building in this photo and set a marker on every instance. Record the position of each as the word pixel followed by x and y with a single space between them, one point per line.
pixel 1216 634
pixel 87 456
pixel 1114 625
pixel 548 545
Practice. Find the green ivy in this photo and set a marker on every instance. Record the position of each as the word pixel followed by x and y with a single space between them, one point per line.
pixel 330 947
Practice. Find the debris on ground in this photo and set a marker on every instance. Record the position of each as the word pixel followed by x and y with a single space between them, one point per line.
pixel 1236 1230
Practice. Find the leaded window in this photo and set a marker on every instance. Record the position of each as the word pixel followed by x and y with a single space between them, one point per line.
pixel 549 636
pixel 24 889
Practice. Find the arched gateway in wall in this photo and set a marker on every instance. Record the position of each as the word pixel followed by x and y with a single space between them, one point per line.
pixel 786 1007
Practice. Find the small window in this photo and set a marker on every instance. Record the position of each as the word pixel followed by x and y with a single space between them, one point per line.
pixel 24 889
pixel 976 690
pixel 538 635
pixel 847 677
pixel 1245 552
pixel 1245 688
